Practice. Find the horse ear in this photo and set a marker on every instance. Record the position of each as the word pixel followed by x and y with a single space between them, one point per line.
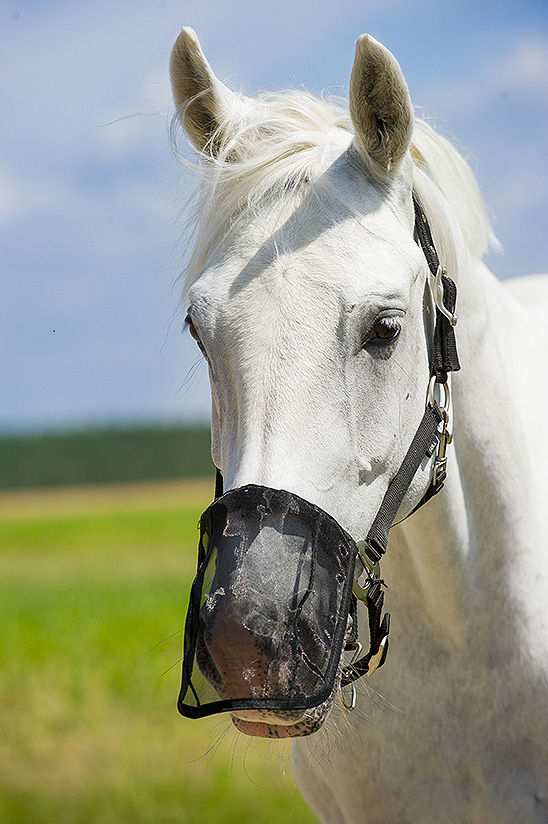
pixel 204 104
pixel 380 106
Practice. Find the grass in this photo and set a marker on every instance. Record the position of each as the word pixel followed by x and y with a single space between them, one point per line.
pixel 93 591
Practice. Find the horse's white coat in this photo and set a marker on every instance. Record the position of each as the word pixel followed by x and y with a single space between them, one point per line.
pixel 285 287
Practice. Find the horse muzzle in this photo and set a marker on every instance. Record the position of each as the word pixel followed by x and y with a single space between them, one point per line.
pixel 269 611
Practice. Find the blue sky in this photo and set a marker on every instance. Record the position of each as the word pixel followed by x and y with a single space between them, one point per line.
pixel 92 200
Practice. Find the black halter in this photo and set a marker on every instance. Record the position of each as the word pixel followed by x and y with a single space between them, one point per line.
pixel 444 359
pixel 431 437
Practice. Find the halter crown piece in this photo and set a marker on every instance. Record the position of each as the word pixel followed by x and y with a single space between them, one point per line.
pixel 295 643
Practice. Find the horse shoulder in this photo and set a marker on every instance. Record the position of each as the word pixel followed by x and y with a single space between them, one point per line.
pixel 531 292
pixel 518 311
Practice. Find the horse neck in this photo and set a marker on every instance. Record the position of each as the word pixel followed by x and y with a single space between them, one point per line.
pixel 459 552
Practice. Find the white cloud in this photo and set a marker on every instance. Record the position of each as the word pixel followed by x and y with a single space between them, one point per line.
pixel 12 202
pixel 519 72
pixel 524 69
pixel 23 197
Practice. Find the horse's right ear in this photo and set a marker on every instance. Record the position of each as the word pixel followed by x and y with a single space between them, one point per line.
pixel 204 104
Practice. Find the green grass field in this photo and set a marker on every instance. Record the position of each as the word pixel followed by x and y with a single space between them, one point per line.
pixel 93 592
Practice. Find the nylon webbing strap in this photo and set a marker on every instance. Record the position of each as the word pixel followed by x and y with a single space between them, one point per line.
pixel 219 484
pixel 421 447
pixel 444 359
pixel 444 348
pixel 424 236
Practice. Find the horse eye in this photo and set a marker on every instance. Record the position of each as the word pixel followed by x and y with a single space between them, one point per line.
pixel 385 330
pixel 193 333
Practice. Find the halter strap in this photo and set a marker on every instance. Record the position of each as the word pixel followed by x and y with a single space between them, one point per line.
pixel 444 359
pixel 444 349
pixel 431 435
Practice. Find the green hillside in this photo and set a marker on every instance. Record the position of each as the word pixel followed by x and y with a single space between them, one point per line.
pixel 105 456
pixel 93 595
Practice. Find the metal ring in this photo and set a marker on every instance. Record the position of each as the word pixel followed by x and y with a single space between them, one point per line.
pixel 432 397
pixel 350 706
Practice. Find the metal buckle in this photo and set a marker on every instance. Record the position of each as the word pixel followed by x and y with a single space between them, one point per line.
pixel 373 572
pixel 376 659
pixel 438 296
pixel 444 439
pixel 349 706
pixel 444 435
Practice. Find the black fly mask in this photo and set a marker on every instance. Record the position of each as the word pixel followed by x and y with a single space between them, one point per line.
pixel 269 606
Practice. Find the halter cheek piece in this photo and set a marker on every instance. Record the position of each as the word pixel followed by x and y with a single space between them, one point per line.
pixel 305 642
pixel 432 437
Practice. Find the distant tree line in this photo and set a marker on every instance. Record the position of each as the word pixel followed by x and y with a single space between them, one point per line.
pixel 105 455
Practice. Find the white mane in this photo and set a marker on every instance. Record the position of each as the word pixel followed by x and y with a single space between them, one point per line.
pixel 281 145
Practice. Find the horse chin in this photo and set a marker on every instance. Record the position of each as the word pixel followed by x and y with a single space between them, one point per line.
pixel 261 725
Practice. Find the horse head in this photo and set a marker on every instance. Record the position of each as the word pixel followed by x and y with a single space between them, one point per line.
pixel 309 298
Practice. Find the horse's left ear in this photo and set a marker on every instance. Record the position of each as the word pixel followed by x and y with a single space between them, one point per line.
pixel 380 107
pixel 205 105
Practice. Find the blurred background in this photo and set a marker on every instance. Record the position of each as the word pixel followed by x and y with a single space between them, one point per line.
pixel 104 404
pixel 92 201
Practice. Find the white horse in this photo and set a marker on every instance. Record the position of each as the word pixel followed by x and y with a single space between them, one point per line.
pixel 311 299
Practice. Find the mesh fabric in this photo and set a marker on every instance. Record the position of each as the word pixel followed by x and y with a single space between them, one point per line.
pixel 269 606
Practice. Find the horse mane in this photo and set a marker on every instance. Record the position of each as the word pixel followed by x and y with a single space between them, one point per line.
pixel 282 144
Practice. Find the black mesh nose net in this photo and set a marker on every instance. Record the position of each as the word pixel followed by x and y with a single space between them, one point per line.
pixel 269 606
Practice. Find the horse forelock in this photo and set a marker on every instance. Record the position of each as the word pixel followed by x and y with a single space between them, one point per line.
pixel 287 139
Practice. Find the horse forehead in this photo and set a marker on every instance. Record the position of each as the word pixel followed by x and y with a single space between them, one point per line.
pixel 356 260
